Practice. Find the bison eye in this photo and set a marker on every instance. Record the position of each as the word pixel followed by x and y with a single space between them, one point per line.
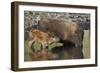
pixel 76 32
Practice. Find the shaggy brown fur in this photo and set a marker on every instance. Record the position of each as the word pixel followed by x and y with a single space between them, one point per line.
pixel 64 29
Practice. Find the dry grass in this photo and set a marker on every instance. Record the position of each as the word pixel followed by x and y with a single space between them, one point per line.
pixel 86 44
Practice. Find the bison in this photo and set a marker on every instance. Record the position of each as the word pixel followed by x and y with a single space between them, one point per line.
pixel 69 33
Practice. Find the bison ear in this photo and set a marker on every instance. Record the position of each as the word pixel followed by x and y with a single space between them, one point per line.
pixel 78 24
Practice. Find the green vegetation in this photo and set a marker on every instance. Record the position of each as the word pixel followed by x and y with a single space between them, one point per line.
pixel 53 45
pixel 26 51
pixel 36 46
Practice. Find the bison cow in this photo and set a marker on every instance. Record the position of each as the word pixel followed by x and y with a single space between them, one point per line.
pixel 69 33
